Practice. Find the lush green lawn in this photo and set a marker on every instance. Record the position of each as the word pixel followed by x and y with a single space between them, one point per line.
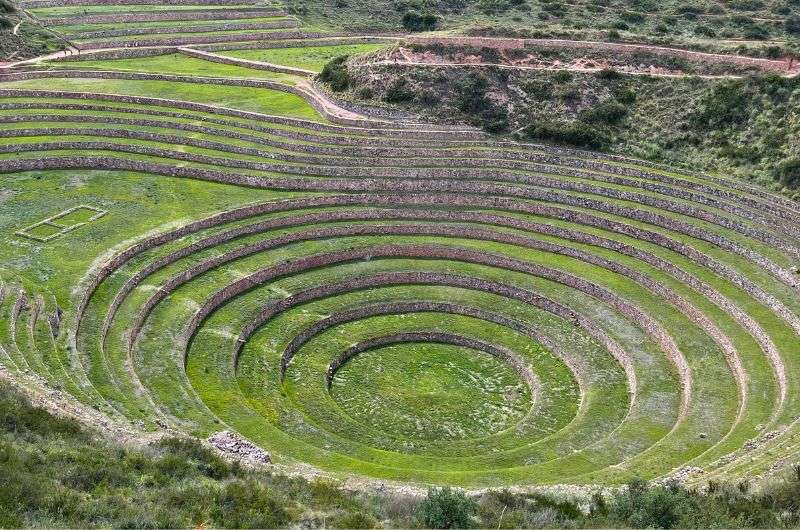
pixel 309 57
pixel 180 65
pixel 177 24
pixel 244 98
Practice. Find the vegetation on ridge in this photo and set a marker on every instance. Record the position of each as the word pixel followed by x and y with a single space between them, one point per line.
pixel 56 473
pixel 745 127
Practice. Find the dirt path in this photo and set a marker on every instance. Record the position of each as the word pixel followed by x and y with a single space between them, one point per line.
pixel 327 103
pixel 49 57
pixel 786 66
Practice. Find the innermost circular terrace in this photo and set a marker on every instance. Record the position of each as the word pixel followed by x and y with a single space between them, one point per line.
pixel 432 385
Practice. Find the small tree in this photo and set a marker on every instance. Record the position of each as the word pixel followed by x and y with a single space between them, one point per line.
pixel 335 74
pixel 415 21
pixel 446 508
pixel 792 25
pixel 789 172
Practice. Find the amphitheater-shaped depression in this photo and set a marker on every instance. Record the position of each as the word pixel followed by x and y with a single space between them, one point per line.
pixel 398 300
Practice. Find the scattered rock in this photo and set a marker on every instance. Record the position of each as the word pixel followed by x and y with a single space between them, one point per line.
pixel 683 474
pixel 232 444
pixel 749 445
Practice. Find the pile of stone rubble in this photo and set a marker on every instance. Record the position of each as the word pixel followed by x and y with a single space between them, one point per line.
pixel 234 445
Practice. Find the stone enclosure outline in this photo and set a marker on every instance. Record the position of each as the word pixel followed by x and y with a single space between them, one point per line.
pixel 61 229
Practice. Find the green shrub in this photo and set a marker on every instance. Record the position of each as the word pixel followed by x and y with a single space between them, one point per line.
pixel 643 507
pixel 746 5
pixel 29 422
pixel 578 134
pixel 335 74
pixel 792 25
pixel 249 504
pixel 563 76
pixel 415 21
pixel 756 32
pixel 626 96
pixel 564 509
pixel 788 173
pixel 609 113
pixel 608 74
pixel 203 459
pixel 472 100
pixel 632 17
pixel 725 104
pixel 493 7
pixel 7 7
pixel 355 520
pixel 704 31
pixel 446 508
pixel 398 91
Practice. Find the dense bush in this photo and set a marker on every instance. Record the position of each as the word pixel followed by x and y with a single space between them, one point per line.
pixel 725 104
pixel 446 508
pixel 577 133
pixel 399 91
pixel 788 173
pixel 335 74
pixel 472 99
pixel 608 74
pixel 608 112
pixel 493 7
pixel 415 21
pixel 792 25
pixel 55 474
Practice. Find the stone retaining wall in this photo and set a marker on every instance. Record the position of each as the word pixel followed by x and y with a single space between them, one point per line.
pixel 197 107
pixel 396 200
pixel 403 186
pixel 658 334
pixel 548 154
pixel 434 167
pixel 538 188
pixel 36 4
pixel 667 294
pixel 113 54
pixel 333 39
pixel 161 16
pixel 478 234
pixel 227 81
pixel 362 125
pixel 402 308
pixel 504 354
pixel 126 32
pixel 254 65
pixel 387 279
pixel 202 39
